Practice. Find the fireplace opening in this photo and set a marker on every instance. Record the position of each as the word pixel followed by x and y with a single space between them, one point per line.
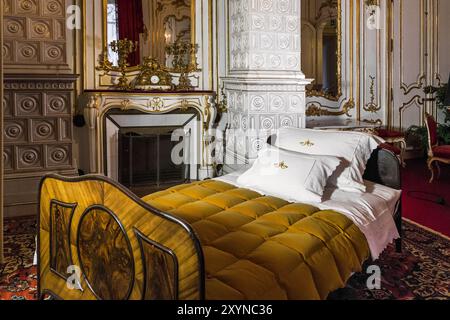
pixel 151 152
pixel 145 158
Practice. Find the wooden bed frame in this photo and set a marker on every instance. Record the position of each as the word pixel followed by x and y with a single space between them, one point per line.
pixel 126 249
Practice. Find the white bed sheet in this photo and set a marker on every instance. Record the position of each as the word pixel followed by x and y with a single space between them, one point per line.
pixel 372 212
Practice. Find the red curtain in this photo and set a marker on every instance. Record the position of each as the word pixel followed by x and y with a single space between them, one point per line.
pixel 131 24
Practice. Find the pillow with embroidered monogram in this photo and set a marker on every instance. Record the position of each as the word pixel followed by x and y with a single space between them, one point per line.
pixel 289 175
pixel 353 148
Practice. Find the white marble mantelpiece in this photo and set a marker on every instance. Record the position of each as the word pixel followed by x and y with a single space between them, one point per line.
pixel 98 103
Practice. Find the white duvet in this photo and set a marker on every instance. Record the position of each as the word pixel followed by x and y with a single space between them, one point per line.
pixel 372 212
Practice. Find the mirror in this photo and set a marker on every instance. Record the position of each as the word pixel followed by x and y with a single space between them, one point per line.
pixel 160 29
pixel 321 47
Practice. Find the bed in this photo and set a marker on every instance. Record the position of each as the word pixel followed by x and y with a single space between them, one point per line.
pixel 207 240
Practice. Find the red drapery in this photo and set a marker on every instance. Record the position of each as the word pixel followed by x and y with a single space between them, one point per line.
pixel 131 24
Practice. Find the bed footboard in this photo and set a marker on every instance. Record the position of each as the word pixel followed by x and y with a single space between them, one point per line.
pixel 384 168
pixel 98 241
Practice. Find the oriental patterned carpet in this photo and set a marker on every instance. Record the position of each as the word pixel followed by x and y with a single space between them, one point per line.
pixel 421 272
pixel 18 280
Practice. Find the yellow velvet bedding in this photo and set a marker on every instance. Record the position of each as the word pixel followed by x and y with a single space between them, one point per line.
pixel 260 247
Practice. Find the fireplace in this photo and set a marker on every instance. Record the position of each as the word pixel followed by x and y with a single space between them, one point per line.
pixel 148 152
pixel 109 113
pixel 145 158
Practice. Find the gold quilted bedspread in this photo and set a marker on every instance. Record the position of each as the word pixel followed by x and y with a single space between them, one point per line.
pixel 260 247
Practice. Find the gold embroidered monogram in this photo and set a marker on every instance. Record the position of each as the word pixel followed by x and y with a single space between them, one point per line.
pixel 282 165
pixel 307 143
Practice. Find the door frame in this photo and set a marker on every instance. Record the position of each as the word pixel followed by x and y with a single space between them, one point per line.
pixel 390 35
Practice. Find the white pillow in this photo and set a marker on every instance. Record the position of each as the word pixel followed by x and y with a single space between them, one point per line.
pixel 289 175
pixel 353 148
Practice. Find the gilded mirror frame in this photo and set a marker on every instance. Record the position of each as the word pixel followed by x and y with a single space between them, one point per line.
pixel 316 93
pixel 138 67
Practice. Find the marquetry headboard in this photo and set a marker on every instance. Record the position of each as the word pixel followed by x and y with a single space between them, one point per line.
pixel 99 241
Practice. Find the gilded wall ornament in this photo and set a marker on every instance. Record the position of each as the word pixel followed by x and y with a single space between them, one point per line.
pixel 156 104
pixel 316 111
pixel 372 106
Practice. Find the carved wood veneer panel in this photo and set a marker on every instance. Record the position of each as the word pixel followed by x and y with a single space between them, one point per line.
pixel 60 254
pixel 125 248
pixel 105 254
pixel 160 270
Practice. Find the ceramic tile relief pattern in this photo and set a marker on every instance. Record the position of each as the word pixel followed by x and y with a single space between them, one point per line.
pixel 34 32
pixel 38 125
pixel 265 35
pixel 39 97
pixel 265 86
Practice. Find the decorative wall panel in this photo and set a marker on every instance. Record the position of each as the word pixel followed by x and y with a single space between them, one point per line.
pixel 37 132
pixel 374 70
pixel 441 45
pixel 37 123
pixel 36 35
pixel 420 58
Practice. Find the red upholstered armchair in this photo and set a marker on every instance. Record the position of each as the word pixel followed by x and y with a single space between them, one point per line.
pixel 392 139
pixel 436 153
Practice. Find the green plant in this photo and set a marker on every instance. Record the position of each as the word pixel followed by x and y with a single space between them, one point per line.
pixel 439 93
pixel 418 135
pixel 444 134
